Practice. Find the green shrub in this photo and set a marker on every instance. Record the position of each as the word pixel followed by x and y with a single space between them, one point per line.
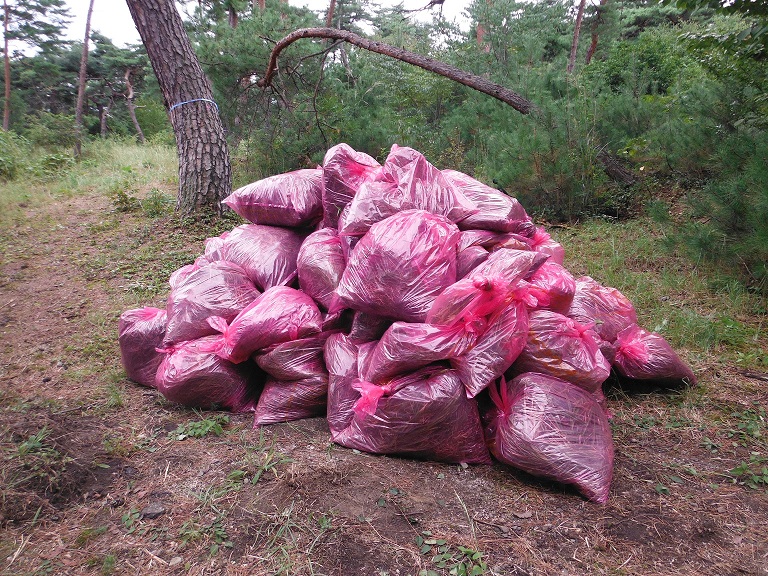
pixel 13 151
pixel 51 130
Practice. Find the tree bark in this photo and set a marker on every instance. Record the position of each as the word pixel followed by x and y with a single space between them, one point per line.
pixel 6 68
pixel 594 29
pixel 81 84
pixel 456 74
pixel 103 115
pixel 576 33
pixel 131 106
pixel 329 14
pixel 205 176
pixel 612 166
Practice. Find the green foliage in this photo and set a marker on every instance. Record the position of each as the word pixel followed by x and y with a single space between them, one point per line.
pixel 457 560
pixel 49 130
pixel 200 428
pixel 13 150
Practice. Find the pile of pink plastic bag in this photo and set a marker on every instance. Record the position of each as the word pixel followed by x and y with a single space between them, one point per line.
pixel 420 311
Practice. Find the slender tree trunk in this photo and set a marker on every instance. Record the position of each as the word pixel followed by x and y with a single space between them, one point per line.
pixel 103 115
pixel 612 166
pixel 81 84
pixel 576 33
pixel 330 13
pixel 205 176
pixel 232 17
pixel 594 29
pixel 131 106
pixel 7 68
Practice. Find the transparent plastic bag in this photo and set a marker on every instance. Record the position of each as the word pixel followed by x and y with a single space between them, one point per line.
pixel 606 307
pixel 293 400
pixel 552 429
pixel 320 265
pixel 344 171
pixel 140 333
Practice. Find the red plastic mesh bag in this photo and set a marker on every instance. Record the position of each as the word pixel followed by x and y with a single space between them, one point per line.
pixel 608 308
pixel 216 289
pixel 289 401
pixel 140 332
pixel 279 315
pixel 296 359
pixel 424 186
pixel 290 199
pixel 192 375
pixel 552 429
pixel 320 264
pixel 557 283
pixel 405 347
pixel 344 171
pixel 643 355
pixel 561 347
pixel 267 253
pixel 424 415
pixel 400 266
pixel 495 209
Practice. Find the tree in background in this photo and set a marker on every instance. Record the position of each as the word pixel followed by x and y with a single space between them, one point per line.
pixel 82 80
pixel 36 23
pixel 205 176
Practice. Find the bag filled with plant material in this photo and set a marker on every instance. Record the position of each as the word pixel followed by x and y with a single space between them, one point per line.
pixel 291 199
pixel 642 355
pixel 320 264
pixel 561 347
pixel 400 266
pixel 606 307
pixel 215 289
pixel 552 429
pixel 140 333
pixel 344 171
pixel 296 359
pixel 424 414
pixel 191 375
pixel 279 315
pixel 282 401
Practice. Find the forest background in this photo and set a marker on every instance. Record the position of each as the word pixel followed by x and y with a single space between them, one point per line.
pixel 675 92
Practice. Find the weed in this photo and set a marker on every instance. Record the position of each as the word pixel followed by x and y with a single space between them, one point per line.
pixel 108 564
pixel 157 204
pixel 89 534
pixel 191 531
pixel 458 560
pixel 124 202
pixel 203 427
pixel 261 458
pixel 749 425
pixel 37 462
pixel 131 520
pixel 754 473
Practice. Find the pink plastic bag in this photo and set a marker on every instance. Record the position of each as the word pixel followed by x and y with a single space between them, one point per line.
pixel 643 355
pixel 296 359
pixel 279 315
pixel 400 266
pixel 191 375
pixel 290 199
pixel 496 348
pixel 341 360
pixel 468 259
pixel 424 186
pixel 320 264
pixel 344 171
pixel 375 200
pixel 368 327
pixel 289 401
pixel 495 210
pixel 608 308
pixel 543 242
pixel 405 347
pixel 561 347
pixel 557 283
pixel 552 429
pixel 267 253
pixel 140 332
pixel 216 289
pixel 423 415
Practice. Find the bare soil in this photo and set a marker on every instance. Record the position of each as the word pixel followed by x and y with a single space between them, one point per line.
pixel 111 489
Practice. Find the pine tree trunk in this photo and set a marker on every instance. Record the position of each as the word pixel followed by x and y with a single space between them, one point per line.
pixel 81 84
pixel 131 106
pixel 594 29
pixel 205 176
pixel 329 14
pixel 7 68
pixel 103 115
pixel 576 33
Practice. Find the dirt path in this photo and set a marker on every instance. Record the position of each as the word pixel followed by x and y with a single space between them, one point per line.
pixel 97 481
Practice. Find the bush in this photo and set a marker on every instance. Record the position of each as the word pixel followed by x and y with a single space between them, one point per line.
pixel 13 151
pixel 51 130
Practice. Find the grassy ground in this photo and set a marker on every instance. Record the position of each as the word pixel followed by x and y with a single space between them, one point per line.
pixel 101 476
